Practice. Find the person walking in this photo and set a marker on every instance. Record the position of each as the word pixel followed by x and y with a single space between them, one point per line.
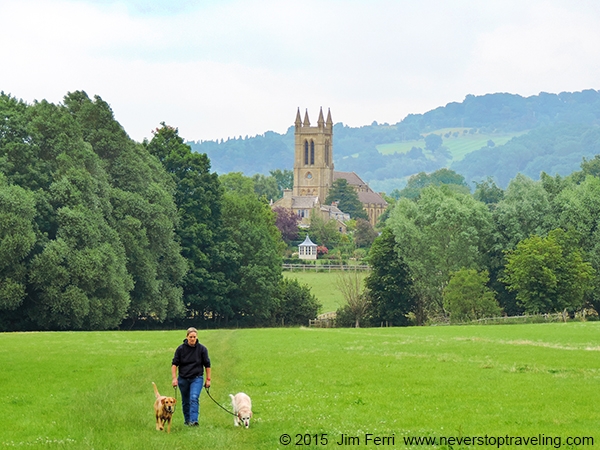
pixel 191 360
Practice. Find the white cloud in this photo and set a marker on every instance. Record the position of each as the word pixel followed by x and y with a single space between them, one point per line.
pixel 229 68
pixel 553 51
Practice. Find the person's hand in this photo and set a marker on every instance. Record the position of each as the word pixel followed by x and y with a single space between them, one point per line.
pixel 174 382
pixel 207 383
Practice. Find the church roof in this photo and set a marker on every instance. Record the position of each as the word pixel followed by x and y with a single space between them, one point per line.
pixel 332 208
pixel 371 197
pixel 350 177
pixel 305 202
pixel 365 196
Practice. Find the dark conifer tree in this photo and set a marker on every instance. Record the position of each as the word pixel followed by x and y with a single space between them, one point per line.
pixel 389 282
pixel 347 199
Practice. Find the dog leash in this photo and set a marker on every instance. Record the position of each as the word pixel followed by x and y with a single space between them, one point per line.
pixel 217 403
pixel 175 388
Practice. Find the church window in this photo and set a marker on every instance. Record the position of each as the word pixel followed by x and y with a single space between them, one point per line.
pixel 312 152
pixel 306 153
pixel 327 153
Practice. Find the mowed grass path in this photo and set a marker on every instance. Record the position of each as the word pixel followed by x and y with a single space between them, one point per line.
pixel 93 389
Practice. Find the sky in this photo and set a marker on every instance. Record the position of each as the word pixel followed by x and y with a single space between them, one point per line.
pixel 228 68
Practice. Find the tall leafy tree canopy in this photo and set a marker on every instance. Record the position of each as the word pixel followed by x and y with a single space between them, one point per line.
pixel 440 177
pixel 103 219
pixel 199 199
pixel 439 234
pixel 467 296
pixel 389 283
pixel 256 248
pixel 549 273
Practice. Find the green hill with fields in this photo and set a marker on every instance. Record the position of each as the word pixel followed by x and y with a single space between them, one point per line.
pixel 458 141
pixel 475 134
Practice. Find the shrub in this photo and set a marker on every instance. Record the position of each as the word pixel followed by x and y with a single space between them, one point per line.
pixel 297 305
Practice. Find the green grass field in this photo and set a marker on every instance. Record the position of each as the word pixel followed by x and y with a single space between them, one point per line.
pixel 92 390
pixel 458 146
pixel 323 286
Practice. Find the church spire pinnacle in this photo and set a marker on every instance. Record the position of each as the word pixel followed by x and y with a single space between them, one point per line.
pixel 298 121
pixel 329 121
pixel 321 121
pixel 306 121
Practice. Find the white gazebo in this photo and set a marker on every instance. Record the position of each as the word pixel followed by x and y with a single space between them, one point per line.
pixel 308 249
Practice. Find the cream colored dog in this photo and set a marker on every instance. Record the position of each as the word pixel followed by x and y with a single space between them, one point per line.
pixel 242 407
pixel 164 407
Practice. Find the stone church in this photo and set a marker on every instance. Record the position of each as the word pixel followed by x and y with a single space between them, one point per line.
pixel 314 175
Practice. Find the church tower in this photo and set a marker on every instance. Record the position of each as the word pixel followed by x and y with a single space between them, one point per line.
pixel 313 162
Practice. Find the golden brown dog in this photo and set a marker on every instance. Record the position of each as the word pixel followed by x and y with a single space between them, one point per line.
pixel 164 407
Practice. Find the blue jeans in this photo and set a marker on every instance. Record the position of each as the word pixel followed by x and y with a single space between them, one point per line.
pixel 190 397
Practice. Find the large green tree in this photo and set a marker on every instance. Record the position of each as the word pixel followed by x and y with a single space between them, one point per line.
pixel 199 200
pixel 389 282
pixel 488 192
pixel 549 273
pixel 266 186
pixel 255 257
pixel 237 182
pixel 103 221
pixel 17 238
pixel 284 179
pixel 323 232
pixel 78 278
pixel 417 182
pixel 347 198
pixel 144 212
pixel 440 233
pixel 526 209
pixel 364 235
pixel 467 296
pixel 296 304
pixel 578 208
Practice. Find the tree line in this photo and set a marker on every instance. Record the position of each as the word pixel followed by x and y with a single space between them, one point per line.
pixel 554 141
pixel 532 248
pixel 98 231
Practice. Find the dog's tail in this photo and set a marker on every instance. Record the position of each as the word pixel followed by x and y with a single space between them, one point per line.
pixel 156 394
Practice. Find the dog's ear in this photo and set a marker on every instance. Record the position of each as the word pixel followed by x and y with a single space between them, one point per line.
pixel 250 413
pixel 174 400
pixel 162 401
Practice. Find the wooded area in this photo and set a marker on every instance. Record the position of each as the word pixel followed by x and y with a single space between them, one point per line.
pixel 559 129
pixel 98 232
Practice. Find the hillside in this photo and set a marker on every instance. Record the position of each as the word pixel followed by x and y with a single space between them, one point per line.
pixel 480 136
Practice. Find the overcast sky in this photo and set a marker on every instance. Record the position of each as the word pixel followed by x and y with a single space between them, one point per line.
pixel 225 68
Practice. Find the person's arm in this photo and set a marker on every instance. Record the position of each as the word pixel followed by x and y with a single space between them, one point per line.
pixel 207 382
pixel 174 374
